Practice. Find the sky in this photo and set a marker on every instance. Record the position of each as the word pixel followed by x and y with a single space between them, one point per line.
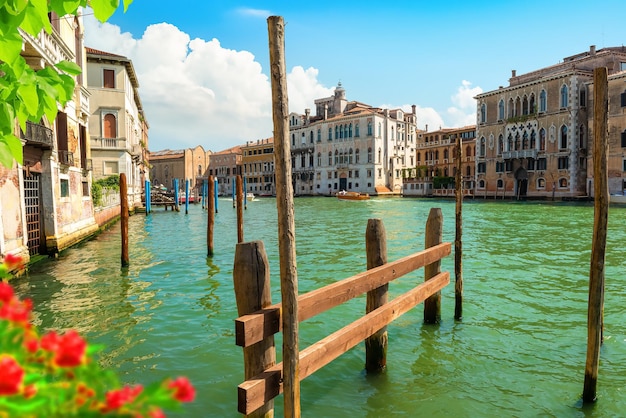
pixel 202 65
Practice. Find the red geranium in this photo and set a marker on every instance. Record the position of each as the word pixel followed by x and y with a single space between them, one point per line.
pixel 13 262
pixel 183 390
pixel 70 350
pixel 115 399
pixel 6 292
pixel 11 375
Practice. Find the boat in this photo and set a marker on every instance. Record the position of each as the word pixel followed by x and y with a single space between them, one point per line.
pixel 250 196
pixel 617 198
pixel 344 195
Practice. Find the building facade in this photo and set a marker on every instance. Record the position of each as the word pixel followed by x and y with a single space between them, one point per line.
pixel 117 125
pixel 436 163
pixel 45 204
pixel 257 163
pixel 189 164
pixel 225 166
pixel 348 145
pixel 533 135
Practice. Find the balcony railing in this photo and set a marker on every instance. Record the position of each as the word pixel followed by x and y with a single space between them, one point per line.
pixel 108 143
pixel 525 153
pixel 66 157
pixel 38 135
pixel 88 164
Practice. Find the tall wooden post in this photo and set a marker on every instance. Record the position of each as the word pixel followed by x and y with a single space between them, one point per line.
pixel 600 224
pixel 124 219
pixel 176 196
pixel 239 210
pixel 376 250
pixel 245 194
pixel 216 192
pixel 286 220
pixel 251 275
pixel 458 243
pixel 434 235
pixel 211 217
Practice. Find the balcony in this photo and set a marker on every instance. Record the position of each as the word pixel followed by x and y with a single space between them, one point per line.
pixel 49 46
pixel 525 153
pixel 66 157
pixel 37 135
pixel 108 143
pixel 87 164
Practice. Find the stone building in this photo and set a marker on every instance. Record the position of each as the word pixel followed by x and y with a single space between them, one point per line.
pixel 45 204
pixel 117 125
pixel 616 134
pixel 533 135
pixel 257 162
pixel 225 166
pixel 188 164
pixel 348 145
pixel 436 164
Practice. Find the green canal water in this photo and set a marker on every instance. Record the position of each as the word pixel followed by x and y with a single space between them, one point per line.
pixel 519 350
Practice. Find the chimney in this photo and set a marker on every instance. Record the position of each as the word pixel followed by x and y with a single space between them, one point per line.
pixel 413 107
pixel 513 72
pixel 325 111
pixel 592 50
pixel 426 128
pixel 307 113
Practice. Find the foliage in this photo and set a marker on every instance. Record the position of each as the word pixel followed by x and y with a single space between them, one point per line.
pixel 440 182
pixel 55 375
pixel 25 94
pixel 111 182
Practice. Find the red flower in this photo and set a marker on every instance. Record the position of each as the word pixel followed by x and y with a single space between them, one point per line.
pixel 183 390
pixel 70 351
pixel 115 399
pixel 13 262
pixel 30 391
pixel 11 375
pixel 50 341
pixel 6 292
pixel 156 413
pixel 16 310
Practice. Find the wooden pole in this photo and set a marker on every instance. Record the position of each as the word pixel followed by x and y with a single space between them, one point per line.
pixel 251 276
pixel 434 235
pixel 376 250
pixel 245 194
pixel 211 217
pixel 239 210
pixel 215 193
pixel 124 218
pixel 458 243
pixel 187 196
pixel 600 224
pixel 286 220
pixel 176 196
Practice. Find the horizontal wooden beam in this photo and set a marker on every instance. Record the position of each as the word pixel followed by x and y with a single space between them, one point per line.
pixel 254 327
pixel 255 392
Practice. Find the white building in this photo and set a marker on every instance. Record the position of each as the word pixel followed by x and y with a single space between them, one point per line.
pixel 351 146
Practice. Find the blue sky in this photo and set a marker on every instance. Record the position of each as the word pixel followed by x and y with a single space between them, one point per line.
pixel 203 65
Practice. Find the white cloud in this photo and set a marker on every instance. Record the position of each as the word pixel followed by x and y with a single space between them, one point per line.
pixel 196 92
pixel 253 12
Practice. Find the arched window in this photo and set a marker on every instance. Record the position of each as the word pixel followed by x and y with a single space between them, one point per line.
pixel 518 106
pixel 369 128
pixel 336 156
pixel 319 159
pixel 564 94
pixel 330 134
pixel 483 113
pixel 369 155
pixel 525 105
pixel 562 182
pixel 541 183
pixel 583 97
pixel 419 157
pixel 436 154
pixel 582 141
pixel 511 108
pixel 337 132
pixel 199 169
pixel 356 156
pixel 500 144
pixel 563 142
pixel 543 101
pixel 501 110
pixel 345 131
pixel 468 151
pixel 311 137
pixel 110 126
pixel 500 183
pixel 531 104
pixel 356 130
pixel 350 131
pixel 483 148
pixel 481 184
pixel 445 154
pixel 319 135
pixel 330 158
pixel 350 156
pixel 533 139
pixel 542 139
pixel 380 156
pixel 468 171
pixel 525 140
pixel 293 140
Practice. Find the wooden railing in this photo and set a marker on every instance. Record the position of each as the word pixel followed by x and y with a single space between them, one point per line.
pixel 259 320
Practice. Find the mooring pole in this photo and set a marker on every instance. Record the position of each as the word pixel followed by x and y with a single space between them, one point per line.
pixel 234 192
pixel 376 250
pixel 124 218
pixel 148 197
pixel 211 217
pixel 176 196
pixel 239 209
pixel 600 225
pixel 186 196
pixel 286 220
pixel 216 192
pixel 245 194
pixel 434 235
pixel 204 191
pixel 458 243
pixel 251 276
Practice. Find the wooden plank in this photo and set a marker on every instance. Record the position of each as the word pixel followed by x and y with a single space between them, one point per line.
pixel 255 327
pixel 255 392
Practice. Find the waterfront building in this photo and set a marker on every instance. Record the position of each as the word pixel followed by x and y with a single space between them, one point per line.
pixel 533 135
pixel 225 166
pixel 616 134
pixel 348 145
pixel 186 164
pixel 257 162
pixel 45 203
pixel 117 125
pixel 436 164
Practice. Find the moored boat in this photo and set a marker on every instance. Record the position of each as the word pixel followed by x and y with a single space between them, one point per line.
pixel 344 195
pixel 250 196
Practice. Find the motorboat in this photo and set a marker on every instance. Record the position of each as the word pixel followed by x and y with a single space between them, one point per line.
pixel 344 195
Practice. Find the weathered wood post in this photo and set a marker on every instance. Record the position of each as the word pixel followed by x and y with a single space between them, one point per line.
pixel 600 224
pixel 434 235
pixel 216 192
pixel 239 210
pixel 234 193
pixel 245 194
pixel 458 243
pixel 211 218
pixel 251 275
pixel 286 220
pixel 376 250
pixel 124 218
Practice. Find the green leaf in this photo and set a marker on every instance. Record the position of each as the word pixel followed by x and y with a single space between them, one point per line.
pixel 27 93
pixel 104 9
pixel 22 114
pixel 10 46
pixel 15 7
pixel 36 17
pixel 10 149
pixel 67 92
pixel 49 106
pixel 7 116
pixel 64 7
pixel 126 4
pixel 69 67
